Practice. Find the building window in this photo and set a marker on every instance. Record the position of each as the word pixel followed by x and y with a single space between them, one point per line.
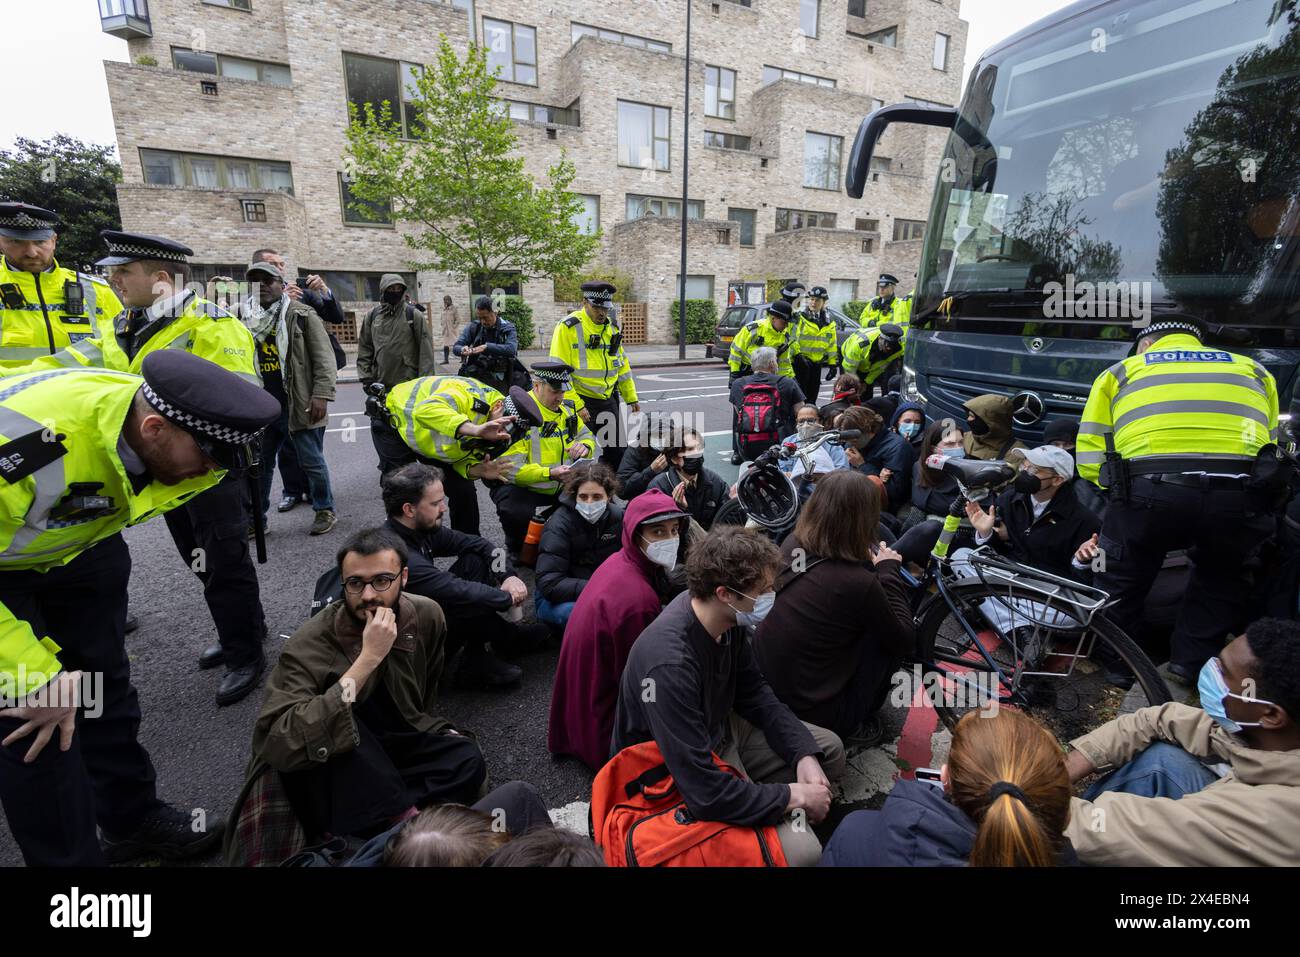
pixel 579 30
pixel 842 291
pixel 720 92
pixel 808 10
pixel 931 103
pixel 537 113
pixel 746 219
pixel 941 51
pixel 821 160
pixel 726 141
pixel 886 38
pixel 375 214
pixel 254 211
pixel 867 225
pixel 908 229
pixel 643 138
pixel 788 219
pixel 194 61
pixel 876 104
pixel 165 168
pixel 512 51
pixel 375 81
pixel 588 219
pixel 639 207
pixel 857 8
pixel 697 287
pixel 232 4
pixel 773 73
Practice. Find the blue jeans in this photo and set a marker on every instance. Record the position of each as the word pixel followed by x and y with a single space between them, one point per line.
pixel 309 445
pixel 1162 770
pixel 548 614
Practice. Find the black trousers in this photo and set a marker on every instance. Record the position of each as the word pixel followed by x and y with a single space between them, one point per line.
pixel 515 507
pixel 462 498
pixel 1222 528
pixel 607 423
pixel 392 449
pixel 861 697
pixel 809 376
pixel 211 534
pixel 471 626
pixel 106 777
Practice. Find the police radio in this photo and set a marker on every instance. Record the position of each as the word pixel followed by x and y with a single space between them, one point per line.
pixel 12 296
pixel 74 298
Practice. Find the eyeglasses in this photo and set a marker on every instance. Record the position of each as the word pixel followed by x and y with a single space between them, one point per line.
pixel 381 583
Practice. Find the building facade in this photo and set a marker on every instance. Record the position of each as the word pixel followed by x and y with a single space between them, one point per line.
pixel 231 118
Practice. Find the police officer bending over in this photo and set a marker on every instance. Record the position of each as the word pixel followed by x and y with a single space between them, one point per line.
pixel 83 455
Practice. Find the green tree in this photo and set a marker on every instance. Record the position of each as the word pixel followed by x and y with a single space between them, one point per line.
pixel 77 180
pixel 459 179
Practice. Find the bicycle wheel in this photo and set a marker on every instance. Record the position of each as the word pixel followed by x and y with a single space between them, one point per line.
pixel 1058 674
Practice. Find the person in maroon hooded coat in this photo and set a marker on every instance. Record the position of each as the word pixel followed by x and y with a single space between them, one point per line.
pixel 620 600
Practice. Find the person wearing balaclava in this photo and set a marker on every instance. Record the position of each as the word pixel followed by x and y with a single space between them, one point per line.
pixel 618 602
pixel 989 434
pixel 394 345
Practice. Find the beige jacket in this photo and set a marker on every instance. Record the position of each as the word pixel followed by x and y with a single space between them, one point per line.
pixel 1251 816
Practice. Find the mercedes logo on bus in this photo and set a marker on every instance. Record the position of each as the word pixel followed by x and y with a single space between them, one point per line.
pixel 1026 408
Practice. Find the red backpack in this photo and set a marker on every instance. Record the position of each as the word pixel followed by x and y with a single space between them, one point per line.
pixel 757 419
pixel 639 819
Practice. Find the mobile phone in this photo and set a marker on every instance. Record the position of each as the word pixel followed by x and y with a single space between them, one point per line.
pixel 929 776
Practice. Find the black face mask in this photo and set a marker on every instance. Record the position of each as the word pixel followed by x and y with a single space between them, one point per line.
pixel 692 466
pixel 393 296
pixel 1028 482
pixel 979 426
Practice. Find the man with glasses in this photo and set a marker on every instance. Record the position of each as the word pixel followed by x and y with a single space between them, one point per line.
pixel 347 724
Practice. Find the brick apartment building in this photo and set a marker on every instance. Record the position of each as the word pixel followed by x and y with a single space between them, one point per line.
pixel 231 131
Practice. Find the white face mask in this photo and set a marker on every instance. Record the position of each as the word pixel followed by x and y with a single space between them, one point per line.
pixel 592 511
pixel 663 552
pixel 808 431
pixel 762 605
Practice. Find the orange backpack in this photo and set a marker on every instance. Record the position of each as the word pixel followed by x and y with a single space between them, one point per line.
pixel 639 819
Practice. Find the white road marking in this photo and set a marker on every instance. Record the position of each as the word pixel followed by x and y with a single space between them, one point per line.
pixel 682 398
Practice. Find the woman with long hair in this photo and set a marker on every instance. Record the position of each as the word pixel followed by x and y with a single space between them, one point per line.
pixel 582 532
pixel 1004 802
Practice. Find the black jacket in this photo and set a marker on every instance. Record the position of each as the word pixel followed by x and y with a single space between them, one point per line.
pixel 326 307
pixel 703 499
pixel 1050 542
pixel 572 548
pixel 634 471
pixel 787 390
pixel 697 683
pixel 889 450
pixel 456 595
pixel 935 499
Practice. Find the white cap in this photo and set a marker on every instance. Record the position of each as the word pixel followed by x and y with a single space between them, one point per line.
pixel 1051 457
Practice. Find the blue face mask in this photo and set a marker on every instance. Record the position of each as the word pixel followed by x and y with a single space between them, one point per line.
pixel 958 453
pixel 762 605
pixel 1213 689
pixel 909 430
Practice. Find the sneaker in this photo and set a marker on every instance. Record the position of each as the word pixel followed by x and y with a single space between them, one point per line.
pixel 867 735
pixel 288 502
pixel 1179 674
pixel 485 672
pixel 325 520
pixel 165 832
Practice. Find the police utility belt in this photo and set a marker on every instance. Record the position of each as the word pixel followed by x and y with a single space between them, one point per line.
pixel 1259 474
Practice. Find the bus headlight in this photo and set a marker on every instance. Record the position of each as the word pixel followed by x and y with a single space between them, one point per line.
pixel 910 391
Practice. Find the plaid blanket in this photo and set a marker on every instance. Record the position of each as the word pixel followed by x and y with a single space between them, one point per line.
pixel 266 831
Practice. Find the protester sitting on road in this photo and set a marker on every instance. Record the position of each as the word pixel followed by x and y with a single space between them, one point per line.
pixel 547 847
pixel 842 619
pixel 1004 803
pixel 908 421
pixel 846 392
pixel 1201 788
pixel 645 456
pixel 709 696
pixel 622 597
pixel 581 533
pixel 990 435
pixel 808 425
pixel 1064 434
pixel 933 493
pixel 764 402
pixel 347 743
pixel 474 593
pixel 878 452
pixel 697 489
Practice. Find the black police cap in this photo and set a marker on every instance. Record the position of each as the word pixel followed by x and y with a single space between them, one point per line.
pixel 554 372
pixel 886 279
pixel 891 332
pixel 223 412
pixel 519 403
pixel 818 292
pixel 131 247
pixel 23 221
pixel 598 293
pixel 792 290
pixel 780 308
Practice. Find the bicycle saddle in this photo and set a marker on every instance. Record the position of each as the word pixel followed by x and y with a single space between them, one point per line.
pixel 979 473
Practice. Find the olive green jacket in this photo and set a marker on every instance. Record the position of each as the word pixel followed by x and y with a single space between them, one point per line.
pixel 394 346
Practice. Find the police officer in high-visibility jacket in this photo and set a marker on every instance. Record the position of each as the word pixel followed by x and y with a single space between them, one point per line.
pixel 1173 433
pixel 818 344
pixel 43 306
pixel 874 355
pixel 456 423
pixel 776 330
pixel 543 458
pixel 590 342
pixel 83 454
pixel 887 307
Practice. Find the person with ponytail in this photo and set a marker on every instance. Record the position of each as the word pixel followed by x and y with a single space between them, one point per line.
pixel 1004 802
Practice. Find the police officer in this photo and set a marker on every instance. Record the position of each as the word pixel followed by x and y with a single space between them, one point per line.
pixel 43 306
pixel 1173 433
pixel 873 355
pixel 592 345
pixel 776 329
pixel 83 455
pixel 886 307
pixel 458 424
pixel 544 456
pixel 818 344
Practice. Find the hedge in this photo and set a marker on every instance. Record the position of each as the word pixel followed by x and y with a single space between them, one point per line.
pixel 701 320
pixel 568 288
pixel 520 315
pixel 853 308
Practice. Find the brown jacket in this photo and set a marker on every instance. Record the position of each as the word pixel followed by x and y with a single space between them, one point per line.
pixel 996 411
pixel 309 369
pixel 1251 816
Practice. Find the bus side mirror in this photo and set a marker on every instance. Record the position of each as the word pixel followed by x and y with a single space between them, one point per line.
pixel 874 126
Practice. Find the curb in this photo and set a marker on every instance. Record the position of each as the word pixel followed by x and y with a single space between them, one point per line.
pixel 660 364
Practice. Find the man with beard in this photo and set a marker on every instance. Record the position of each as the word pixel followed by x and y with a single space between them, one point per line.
pixel 347 725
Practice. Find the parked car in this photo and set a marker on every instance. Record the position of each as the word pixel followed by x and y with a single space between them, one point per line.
pixel 737 316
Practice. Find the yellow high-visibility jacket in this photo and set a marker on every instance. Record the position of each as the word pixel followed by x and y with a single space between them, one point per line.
pixel 585 345
pixel 42 323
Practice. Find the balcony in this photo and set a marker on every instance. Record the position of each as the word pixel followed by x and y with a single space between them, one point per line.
pixel 127 19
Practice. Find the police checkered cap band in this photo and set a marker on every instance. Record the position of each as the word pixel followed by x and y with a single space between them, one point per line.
pixel 222 433
pixel 599 297
pixel 558 376
pixel 24 220
pixel 1171 325
pixel 508 407
pixel 145 252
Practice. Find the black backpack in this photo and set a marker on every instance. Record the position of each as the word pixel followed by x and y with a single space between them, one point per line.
pixel 329 589
pixel 757 419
